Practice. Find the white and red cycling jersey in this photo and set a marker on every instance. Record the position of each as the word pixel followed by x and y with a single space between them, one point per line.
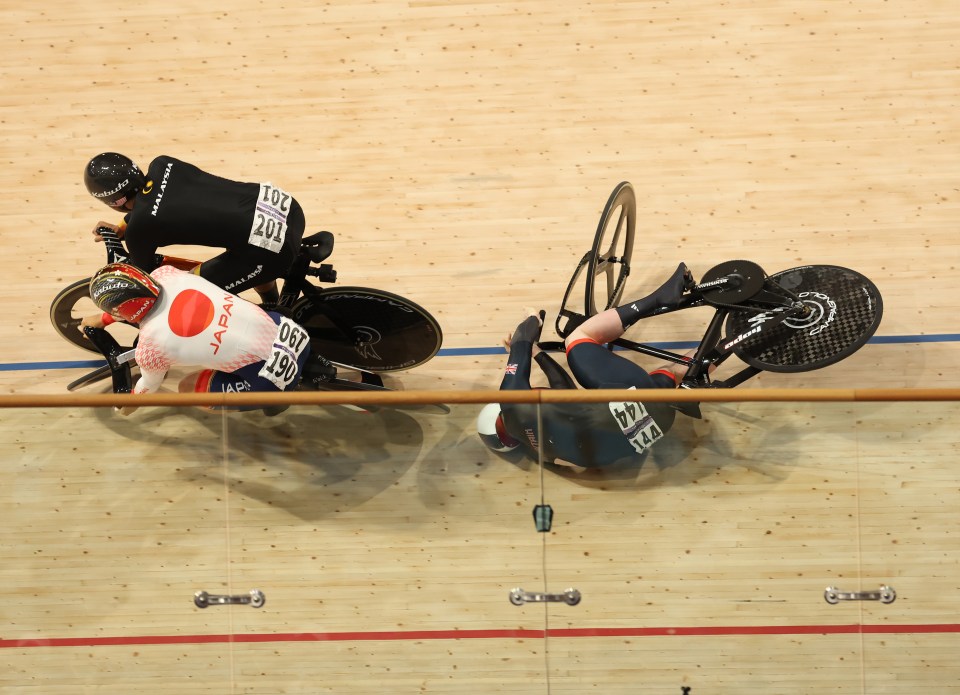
pixel 196 324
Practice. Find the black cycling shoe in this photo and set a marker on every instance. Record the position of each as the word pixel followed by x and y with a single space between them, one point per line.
pixel 671 292
pixel 274 410
pixel 318 370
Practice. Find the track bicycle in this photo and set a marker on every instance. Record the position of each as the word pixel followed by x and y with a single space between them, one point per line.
pixel 368 331
pixel 796 320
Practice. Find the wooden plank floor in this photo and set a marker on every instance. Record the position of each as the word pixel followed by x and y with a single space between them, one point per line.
pixel 461 153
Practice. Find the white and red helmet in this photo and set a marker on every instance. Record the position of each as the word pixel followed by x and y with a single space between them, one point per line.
pixel 124 291
pixel 492 431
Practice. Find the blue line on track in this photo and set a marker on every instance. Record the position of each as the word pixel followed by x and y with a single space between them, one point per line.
pixel 475 351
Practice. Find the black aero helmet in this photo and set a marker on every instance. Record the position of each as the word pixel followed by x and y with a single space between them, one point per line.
pixel 113 179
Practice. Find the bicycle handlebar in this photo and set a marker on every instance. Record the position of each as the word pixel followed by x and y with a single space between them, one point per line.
pixel 115 356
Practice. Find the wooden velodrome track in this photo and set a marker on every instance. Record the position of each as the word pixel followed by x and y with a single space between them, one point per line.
pixel 461 152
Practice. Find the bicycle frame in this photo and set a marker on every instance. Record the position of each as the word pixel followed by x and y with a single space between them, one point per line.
pixel 314 249
pixel 713 348
pixel 833 313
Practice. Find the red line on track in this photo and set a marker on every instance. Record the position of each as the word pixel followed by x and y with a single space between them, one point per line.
pixel 419 635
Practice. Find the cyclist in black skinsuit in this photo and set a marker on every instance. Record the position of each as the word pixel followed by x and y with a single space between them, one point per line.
pixel 590 435
pixel 259 225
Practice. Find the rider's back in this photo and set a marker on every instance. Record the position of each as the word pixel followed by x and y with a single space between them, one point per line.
pixel 585 434
pixel 182 204
pixel 195 323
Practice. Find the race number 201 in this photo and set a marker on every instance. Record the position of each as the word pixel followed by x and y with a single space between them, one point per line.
pixel 270 218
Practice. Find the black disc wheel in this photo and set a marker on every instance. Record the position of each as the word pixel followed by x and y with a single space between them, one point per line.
pixel 368 329
pixel 70 305
pixel 844 309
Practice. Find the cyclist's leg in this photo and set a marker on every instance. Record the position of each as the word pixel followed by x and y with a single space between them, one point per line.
pixel 243 380
pixel 607 326
pixel 557 376
pixel 236 270
pixel 251 267
pixel 296 225
pixel 213 381
pixel 247 379
pixel 596 367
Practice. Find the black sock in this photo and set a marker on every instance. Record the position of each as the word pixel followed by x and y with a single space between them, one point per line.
pixel 271 296
pixel 634 311
pixel 667 296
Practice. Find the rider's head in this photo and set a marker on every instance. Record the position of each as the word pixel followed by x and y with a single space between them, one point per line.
pixel 113 179
pixel 492 431
pixel 124 291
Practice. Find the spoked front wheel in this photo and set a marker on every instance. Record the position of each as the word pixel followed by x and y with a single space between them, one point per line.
pixel 602 272
pixel 845 309
pixel 70 305
pixel 368 329
pixel 609 263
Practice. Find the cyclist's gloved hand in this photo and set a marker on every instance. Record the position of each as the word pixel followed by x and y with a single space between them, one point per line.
pixel 529 329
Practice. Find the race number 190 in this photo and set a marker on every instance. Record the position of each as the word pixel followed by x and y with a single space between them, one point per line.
pixel 281 367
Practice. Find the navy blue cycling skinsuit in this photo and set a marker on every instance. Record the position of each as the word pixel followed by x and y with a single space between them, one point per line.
pixel 259 225
pixel 589 435
pixel 592 434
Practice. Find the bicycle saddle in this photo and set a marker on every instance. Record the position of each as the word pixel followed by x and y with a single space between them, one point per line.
pixel 318 247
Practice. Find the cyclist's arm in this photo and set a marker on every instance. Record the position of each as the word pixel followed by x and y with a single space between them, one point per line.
pixel 154 363
pixel 150 259
pixel 96 321
pixel 158 258
pixel 179 263
pixel 150 380
pixel 120 229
